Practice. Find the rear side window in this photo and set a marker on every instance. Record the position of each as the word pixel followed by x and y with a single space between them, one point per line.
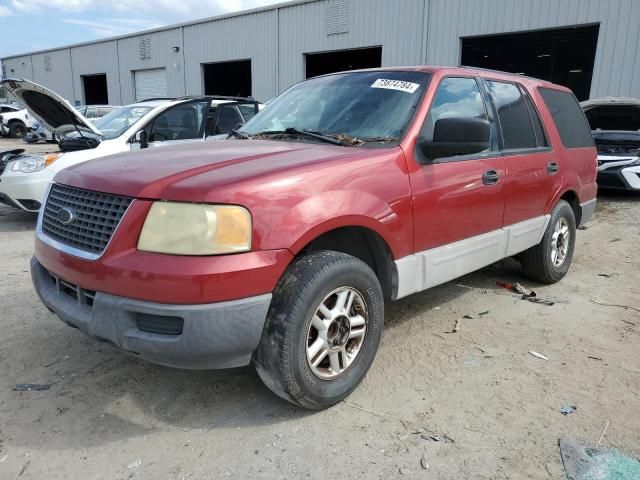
pixel 568 117
pixel 515 120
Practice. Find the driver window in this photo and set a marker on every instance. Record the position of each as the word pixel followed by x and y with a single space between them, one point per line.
pixel 183 122
pixel 456 97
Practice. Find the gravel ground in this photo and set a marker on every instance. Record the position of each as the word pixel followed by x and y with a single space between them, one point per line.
pixel 493 407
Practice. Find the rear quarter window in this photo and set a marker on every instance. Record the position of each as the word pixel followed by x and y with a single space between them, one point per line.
pixel 569 119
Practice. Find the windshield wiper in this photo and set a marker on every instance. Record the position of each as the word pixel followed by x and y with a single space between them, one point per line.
pixel 239 134
pixel 308 133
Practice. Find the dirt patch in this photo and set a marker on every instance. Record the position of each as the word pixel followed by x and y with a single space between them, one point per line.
pixel 472 404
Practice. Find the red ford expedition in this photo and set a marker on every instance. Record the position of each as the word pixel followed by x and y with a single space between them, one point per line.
pixel 281 246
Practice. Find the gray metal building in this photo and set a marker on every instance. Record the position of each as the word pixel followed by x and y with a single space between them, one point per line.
pixel 590 45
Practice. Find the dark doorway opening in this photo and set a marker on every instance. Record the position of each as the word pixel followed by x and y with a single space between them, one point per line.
pixel 560 55
pixel 95 89
pixel 228 78
pixel 342 60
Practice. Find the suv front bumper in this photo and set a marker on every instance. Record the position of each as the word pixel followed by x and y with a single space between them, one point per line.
pixel 209 336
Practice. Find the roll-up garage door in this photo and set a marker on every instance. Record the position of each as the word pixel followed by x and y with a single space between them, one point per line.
pixel 150 83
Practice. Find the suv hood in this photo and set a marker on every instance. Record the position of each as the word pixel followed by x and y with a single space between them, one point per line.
pixel 48 107
pixel 195 172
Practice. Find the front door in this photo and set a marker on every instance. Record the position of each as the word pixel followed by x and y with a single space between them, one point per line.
pixel 458 202
pixel 181 123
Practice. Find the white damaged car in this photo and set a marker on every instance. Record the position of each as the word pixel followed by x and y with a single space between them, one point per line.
pixel 154 123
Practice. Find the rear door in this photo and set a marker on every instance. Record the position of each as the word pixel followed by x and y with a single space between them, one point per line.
pixel 531 166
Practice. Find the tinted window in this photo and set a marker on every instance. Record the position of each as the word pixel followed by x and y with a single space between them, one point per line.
pixel 541 136
pixel 455 98
pixel 224 119
pixel 568 117
pixel 515 122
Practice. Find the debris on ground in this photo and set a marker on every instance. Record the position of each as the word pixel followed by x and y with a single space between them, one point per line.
pixel 437 438
pixel 594 358
pixel 135 464
pixel 526 294
pixel 568 409
pixel 28 387
pixel 4 458
pixel 608 275
pixel 424 461
pixel 626 307
pixel 617 239
pixel 456 329
pixel 537 355
pixel 475 317
pixel 584 463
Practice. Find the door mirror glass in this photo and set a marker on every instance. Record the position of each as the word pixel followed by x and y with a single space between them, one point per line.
pixel 457 123
pixel 457 136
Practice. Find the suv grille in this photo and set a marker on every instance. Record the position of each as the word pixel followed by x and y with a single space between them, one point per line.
pixel 94 216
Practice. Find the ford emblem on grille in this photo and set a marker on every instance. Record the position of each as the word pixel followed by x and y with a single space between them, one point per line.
pixel 66 215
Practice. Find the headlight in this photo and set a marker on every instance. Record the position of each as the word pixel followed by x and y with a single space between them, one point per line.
pixel 195 229
pixel 33 163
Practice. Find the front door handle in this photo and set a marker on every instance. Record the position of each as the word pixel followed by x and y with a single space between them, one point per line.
pixel 552 168
pixel 490 177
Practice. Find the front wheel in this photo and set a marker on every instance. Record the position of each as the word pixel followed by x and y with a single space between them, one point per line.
pixel 549 261
pixel 322 330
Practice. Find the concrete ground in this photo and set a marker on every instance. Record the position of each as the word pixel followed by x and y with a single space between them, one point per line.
pixel 472 404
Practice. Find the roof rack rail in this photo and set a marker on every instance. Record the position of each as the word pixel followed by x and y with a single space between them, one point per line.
pixel 493 70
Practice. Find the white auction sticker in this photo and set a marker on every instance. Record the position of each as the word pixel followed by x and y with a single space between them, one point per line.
pixel 400 85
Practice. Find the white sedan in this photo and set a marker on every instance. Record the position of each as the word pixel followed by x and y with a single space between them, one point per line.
pixel 23 180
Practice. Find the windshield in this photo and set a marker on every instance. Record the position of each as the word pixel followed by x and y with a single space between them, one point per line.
pixel 362 105
pixel 117 122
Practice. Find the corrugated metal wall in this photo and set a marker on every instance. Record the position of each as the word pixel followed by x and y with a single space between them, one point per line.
pixel 396 25
pixel 252 36
pixel 617 65
pixel 410 32
pixel 160 54
pixel 94 59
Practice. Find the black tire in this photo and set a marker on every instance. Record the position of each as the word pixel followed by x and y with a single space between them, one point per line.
pixel 537 262
pixel 281 356
pixel 17 129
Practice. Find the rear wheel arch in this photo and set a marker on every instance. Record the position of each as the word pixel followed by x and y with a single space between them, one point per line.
pixel 572 199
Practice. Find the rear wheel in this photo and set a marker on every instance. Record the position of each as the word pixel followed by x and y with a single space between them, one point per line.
pixel 549 261
pixel 17 129
pixel 322 331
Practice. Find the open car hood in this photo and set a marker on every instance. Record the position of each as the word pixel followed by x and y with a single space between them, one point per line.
pixel 48 107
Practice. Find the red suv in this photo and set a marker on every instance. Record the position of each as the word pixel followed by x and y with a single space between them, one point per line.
pixel 281 246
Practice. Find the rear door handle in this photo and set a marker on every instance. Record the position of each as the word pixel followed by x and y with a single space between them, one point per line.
pixel 490 177
pixel 552 168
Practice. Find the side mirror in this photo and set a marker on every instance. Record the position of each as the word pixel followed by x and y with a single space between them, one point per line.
pixel 456 136
pixel 142 139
